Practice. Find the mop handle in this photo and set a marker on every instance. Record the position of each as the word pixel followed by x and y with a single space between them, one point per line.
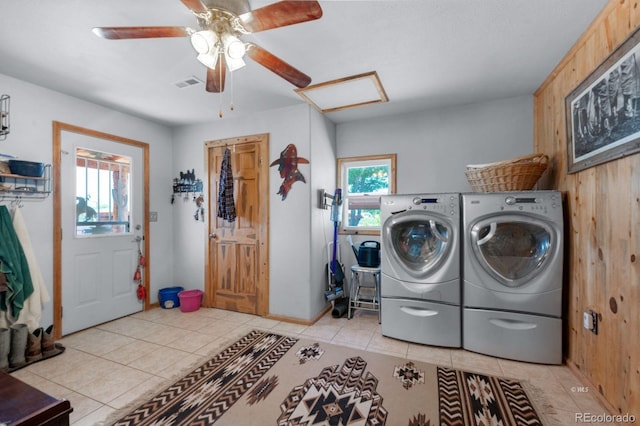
pixel 337 200
pixel 335 243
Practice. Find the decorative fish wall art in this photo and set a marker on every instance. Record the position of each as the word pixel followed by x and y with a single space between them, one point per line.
pixel 288 168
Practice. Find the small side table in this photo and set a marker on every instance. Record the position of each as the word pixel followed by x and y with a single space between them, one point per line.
pixel 356 299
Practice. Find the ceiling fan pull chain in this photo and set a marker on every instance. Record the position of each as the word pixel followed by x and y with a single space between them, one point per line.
pixel 231 91
pixel 220 67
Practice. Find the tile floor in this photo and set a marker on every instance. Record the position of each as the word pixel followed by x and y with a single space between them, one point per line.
pixel 106 367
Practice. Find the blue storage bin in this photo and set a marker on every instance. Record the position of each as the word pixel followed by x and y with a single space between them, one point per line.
pixel 26 168
pixel 168 297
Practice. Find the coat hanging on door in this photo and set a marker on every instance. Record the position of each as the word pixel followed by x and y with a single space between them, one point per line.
pixel 226 204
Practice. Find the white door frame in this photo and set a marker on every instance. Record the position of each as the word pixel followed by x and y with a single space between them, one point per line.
pixel 58 128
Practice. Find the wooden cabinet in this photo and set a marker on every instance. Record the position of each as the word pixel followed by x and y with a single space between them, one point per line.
pixel 23 405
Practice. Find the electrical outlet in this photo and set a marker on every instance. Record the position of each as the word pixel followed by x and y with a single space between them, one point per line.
pixel 590 321
pixel 586 320
pixel 594 322
pixel 153 216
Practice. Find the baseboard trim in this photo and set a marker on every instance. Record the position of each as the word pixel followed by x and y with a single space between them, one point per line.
pixel 283 318
pixel 299 321
pixel 587 383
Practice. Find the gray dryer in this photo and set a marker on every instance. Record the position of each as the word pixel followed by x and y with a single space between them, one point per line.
pixel 512 275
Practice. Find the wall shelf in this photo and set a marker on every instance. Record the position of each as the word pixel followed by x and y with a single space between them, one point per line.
pixel 17 187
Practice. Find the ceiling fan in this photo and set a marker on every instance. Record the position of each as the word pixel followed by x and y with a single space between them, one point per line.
pixel 217 41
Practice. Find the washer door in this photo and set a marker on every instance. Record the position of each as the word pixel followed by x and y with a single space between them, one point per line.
pixel 417 243
pixel 513 249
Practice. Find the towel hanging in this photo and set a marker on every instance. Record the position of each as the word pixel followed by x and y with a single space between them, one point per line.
pixel 226 204
pixel 13 263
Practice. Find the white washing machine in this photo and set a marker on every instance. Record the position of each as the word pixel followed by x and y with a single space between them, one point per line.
pixel 512 275
pixel 420 268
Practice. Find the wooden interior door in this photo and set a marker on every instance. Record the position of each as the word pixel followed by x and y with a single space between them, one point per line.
pixel 237 267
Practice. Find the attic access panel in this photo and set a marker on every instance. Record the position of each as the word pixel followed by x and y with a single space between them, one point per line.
pixel 349 92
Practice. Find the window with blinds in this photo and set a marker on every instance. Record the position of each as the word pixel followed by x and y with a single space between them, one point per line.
pixel 363 180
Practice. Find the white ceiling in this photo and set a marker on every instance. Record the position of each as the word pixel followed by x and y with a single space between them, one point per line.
pixel 427 53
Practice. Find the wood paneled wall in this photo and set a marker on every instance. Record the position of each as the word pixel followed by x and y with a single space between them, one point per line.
pixel 603 225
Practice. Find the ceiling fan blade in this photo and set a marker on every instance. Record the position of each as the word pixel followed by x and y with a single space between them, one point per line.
pixel 195 5
pixel 116 33
pixel 216 77
pixel 281 14
pixel 278 66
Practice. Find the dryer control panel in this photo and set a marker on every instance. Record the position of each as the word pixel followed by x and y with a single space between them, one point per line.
pixel 538 204
pixel 541 203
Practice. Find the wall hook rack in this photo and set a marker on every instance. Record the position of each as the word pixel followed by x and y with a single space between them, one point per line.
pixel 186 184
pixel 323 196
pixel 4 116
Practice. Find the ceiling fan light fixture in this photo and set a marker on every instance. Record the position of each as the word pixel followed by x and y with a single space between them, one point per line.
pixel 208 60
pixel 234 63
pixel 234 50
pixel 234 47
pixel 203 41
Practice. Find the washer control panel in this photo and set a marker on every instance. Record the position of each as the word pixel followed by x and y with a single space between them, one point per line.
pixel 445 203
pixel 419 200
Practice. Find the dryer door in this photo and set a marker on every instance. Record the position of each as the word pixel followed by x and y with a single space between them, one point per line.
pixel 513 249
pixel 416 244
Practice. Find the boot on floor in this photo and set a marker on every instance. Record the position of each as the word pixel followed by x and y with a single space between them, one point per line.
pixel 34 346
pixel 5 347
pixel 19 333
pixel 48 343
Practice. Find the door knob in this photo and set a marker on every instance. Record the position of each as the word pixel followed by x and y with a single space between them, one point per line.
pixel 212 235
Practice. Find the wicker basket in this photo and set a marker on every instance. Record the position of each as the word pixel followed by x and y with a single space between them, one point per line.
pixel 518 174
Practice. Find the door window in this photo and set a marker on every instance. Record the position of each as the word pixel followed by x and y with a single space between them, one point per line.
pixel 420 244
pixel 103 193
pixel 512 250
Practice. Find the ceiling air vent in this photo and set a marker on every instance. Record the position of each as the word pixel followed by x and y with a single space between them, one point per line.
pixel 187 82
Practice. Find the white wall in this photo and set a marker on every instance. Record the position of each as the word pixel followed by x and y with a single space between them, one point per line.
pixel 323 176
pixel 33 109
pixel 434 146
pixel 290 280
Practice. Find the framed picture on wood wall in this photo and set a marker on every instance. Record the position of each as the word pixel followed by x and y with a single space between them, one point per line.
pixel 603 112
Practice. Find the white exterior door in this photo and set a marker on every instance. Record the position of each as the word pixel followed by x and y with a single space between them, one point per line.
pixel 101 213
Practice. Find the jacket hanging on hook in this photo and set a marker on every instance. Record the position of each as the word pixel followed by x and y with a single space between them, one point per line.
pixel 31 312
pixel 13 263
pixel 226 204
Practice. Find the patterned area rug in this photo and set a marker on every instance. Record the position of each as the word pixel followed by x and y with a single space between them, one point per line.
pixel 268 379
